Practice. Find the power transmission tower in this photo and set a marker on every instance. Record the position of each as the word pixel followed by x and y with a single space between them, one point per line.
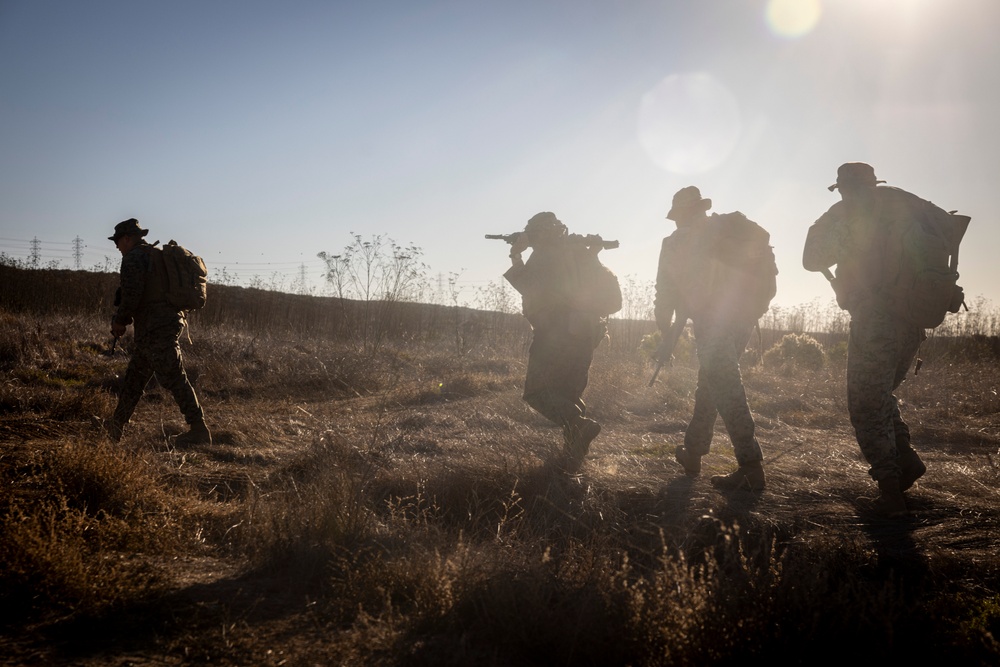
pixel 302 279
pixel 77 252
pixel 36 252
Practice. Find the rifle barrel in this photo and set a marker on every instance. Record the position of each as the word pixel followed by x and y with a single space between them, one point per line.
pixel 656 372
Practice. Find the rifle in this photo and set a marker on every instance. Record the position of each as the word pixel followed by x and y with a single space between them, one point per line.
pixel 666 349
pixel 111 350
pixel 507 238
pixel 589 240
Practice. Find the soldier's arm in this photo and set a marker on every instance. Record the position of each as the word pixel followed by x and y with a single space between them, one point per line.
pixel 518 275
pixel 665 300
pixel 133 282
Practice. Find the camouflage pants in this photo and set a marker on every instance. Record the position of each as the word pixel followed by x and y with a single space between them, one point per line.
pixel 880 350
pixel 720 391
pixel 558 371
pixel 157 351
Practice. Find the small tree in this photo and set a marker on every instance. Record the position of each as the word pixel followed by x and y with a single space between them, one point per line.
pixel 380 275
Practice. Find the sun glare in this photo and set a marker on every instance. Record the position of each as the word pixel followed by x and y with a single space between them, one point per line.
pixel 689 123
pixel 793 18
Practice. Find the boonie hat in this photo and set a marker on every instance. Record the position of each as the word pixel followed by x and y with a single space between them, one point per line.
pixel 686 199
pixel 127 228
pixel 856 174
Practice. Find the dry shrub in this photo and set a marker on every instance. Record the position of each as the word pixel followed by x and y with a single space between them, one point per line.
pixel 310 510
pixel 795 352
pixel 234 364
pixel 685 352
pixel 102 479
pixel 52 564
pixel 74 518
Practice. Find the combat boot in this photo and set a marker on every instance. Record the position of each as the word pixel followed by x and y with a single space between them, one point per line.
pixel 579 434
pixel 197 435
pixel 748 477
pixel 911 468
pixel 891 501
pixel 689 461
pixel 115 429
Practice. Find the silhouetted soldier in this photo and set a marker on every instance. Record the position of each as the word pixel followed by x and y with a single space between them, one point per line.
pixel 723 302
pixel 567 295
pixel 853 235
pixel 141 302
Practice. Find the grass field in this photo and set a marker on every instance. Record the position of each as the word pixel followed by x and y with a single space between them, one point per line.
pixel 398 504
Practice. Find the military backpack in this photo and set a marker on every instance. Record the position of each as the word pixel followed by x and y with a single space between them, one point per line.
pixel 922 261
pixel 184 275
pixel 599 286
pixel 724 268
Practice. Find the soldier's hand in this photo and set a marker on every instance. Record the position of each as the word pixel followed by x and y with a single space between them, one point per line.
pixel 519 245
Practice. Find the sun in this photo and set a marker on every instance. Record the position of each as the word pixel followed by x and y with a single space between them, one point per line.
pixel 793 18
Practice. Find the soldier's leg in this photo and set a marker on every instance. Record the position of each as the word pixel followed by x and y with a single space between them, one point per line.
pixel 719 356
pixel 908 342
pixel 872 369
pixel 579 431
pixel 545 384
pixel 137 375
pixel 911 466
pixel 168 364
pixel 698 436
pixel 578 355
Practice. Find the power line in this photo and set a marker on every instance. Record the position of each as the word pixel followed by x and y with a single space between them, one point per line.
pixel 295 275
pixel 2 238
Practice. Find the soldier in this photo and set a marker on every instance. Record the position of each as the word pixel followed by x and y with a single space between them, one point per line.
pixel 568 316
pixel 881 346
pixel 157 325
pixel 692 283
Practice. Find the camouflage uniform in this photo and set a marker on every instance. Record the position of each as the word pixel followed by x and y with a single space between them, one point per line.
pixel 157 326
pixel 882 345
pixel 880 351
pixel 720 342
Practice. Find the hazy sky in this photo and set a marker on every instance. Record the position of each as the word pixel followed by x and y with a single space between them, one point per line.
pixel 261 133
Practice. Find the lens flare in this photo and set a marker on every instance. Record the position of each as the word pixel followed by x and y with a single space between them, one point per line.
pixel 793 18
pixel 689 123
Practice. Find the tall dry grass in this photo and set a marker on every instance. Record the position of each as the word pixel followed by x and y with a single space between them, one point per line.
pixel 405 508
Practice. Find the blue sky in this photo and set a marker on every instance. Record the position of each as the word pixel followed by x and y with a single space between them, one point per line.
pixel 261 133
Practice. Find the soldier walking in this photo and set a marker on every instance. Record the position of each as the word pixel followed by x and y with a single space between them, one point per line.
pixel 723 302
pixel 854 235
pixel 141 302
pixel 566 296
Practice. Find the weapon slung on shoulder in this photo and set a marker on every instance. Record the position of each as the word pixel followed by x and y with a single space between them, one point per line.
pixel 508 238
pixel 594 241
pixel 589 240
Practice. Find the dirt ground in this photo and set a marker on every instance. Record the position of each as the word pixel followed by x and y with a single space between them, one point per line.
pixel 218 611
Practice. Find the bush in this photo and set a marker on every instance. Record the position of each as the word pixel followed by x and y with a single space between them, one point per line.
pixel 837 353
pixel 684 352
pixel 795 352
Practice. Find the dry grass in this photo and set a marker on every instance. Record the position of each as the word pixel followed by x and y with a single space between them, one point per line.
pixel 405 508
